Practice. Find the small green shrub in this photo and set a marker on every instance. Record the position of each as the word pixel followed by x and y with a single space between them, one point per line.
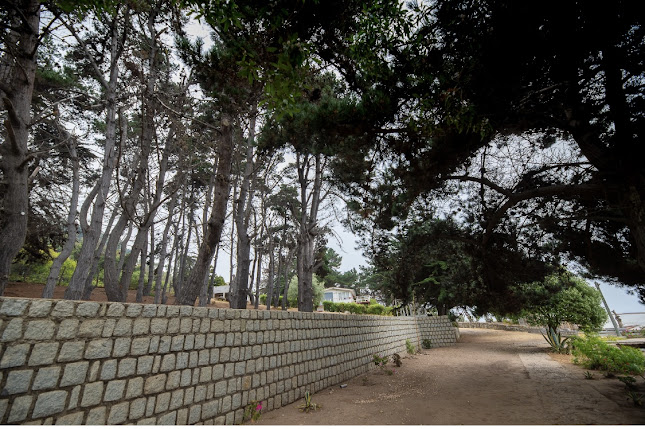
pixel 328 305
pixel 341 307
pixel 409 347
pixel 636 398
pixel 630 382
pixel 293 302
pixel 375 309
pixel 252 411
pixel 593 353
pixel 309 405
pixel 355 308
pixel 388 311
pixel 263 299
pixel 426 344
pixel 380 361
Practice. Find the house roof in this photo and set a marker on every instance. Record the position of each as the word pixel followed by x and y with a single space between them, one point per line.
pixel 340 289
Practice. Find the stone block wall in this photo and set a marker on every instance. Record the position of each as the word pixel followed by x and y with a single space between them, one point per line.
pixel 74 362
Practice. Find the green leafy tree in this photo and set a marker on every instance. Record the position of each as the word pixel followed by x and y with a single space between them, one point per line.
pixel 318 288
pixel 560 298
pixel 437 262
pixel 475 77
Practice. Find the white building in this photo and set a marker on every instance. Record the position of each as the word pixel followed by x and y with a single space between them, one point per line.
pixel 339 294
pixel 221 291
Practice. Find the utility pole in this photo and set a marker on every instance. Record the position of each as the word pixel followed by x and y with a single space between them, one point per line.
pixel 611 316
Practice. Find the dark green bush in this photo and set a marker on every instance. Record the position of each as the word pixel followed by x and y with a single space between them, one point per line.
pixel 293 302
pixel 263 299
pixel 328 305
pixel 593 353
pixel 354 308
pixel 375 309
pixel 341 307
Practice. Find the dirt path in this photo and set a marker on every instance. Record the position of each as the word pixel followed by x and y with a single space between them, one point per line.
pixel 489 377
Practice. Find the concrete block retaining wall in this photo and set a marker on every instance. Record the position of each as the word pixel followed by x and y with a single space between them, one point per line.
pixel 73 362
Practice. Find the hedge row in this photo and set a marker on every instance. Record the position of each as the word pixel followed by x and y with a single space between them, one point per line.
pixel 353 308
pixel 292 302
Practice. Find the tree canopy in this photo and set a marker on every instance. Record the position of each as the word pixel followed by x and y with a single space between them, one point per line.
pixel 522 123
pixel 478 146
pixel 562 298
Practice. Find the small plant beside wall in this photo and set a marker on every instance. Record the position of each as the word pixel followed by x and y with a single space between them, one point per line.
pixel 252 411
pixel 309 405
pixel 381 362
pixel 426 344
pixel 409 347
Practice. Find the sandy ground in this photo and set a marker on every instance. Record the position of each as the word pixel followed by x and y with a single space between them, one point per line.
pixel 489 377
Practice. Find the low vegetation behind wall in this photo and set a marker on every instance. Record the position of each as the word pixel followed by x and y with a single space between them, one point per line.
pixel 567 330
pixel 73 362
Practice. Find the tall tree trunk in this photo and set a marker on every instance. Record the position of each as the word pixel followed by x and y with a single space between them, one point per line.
pixel 110 267
pixel 258 257
pixel 221 192
pixel 213 275
pixel 17 74
pixel 271 275
pixel 149 107
pixel 142 271
pixel 252 278
pixel 186 248
pixel 162 250
pixel 94 270
pixel 151 266
pixel 240 288
pixel 68 247
pixel 309 202
pixel 91 236
pixel 287 279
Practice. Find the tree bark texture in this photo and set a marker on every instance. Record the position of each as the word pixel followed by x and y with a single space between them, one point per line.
pixel 70 241
pixel 189 292
pixel 309 205
pixel 93 232
pixel 17 74
pixel 240 288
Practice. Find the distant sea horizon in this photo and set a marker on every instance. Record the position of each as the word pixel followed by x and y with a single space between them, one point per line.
pixel 629 319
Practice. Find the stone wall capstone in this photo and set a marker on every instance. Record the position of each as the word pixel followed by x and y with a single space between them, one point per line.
pixel 90 363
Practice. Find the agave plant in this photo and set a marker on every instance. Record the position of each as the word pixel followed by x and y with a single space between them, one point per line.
pixel 558 343
pixel 308 405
